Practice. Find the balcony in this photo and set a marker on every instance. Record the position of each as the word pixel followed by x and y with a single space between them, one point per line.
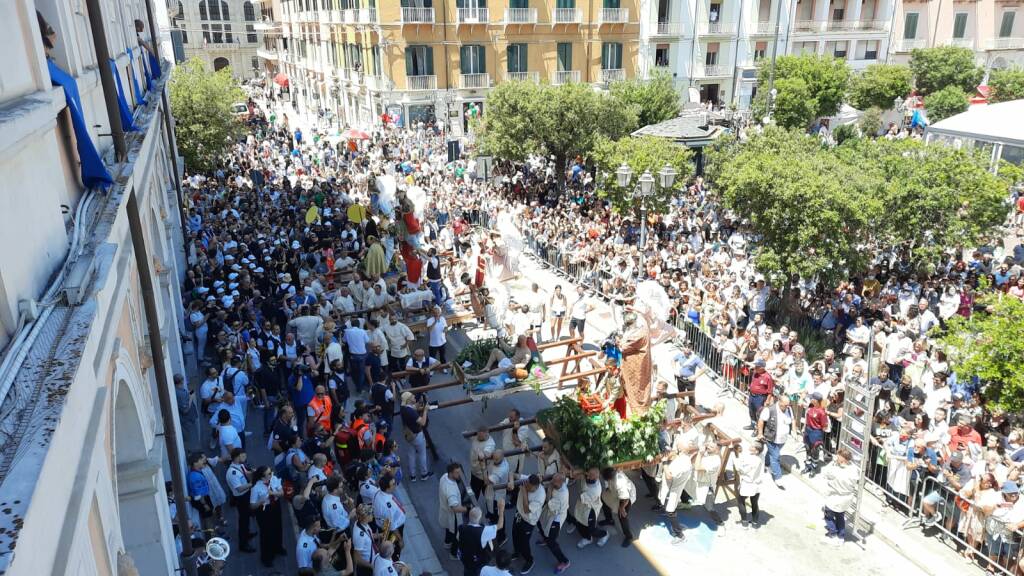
pixel 366 16
pixel 1005 44
pixel 717 28
pixel 962 43
pixel 349 16
pixel 807 26
pixel 374 82
pixel 661 69
pixel 417 15
pixel 871 25
pixel 566 16
pixel 711 71
pixel 523 76
pixel 421 82
pixel 614 15
pixel 906 45
pixel 335 17
pixel 474 81
pixel 666 29
pixel 520 16
pixel 762 28
pixel 473 16
pixel 266 54
pixel 609 75
pixel 565 77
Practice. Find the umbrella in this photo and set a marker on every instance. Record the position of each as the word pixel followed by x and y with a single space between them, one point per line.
pixel 281 79
pixel 354 134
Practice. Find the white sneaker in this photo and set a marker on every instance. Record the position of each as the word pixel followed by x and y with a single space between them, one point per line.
pixel 584 543
pixel 570 528
pixel 603 540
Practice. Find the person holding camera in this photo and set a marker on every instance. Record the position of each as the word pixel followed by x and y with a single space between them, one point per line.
pixel 414 420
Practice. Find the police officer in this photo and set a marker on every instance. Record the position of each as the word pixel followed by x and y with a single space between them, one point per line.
pixel 362 541
pixel 334 509
pixel 307 543
pixel 239 480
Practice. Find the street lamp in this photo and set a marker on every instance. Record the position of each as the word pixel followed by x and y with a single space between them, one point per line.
pixel 645 188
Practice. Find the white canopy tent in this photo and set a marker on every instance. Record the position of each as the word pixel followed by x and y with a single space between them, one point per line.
pixel 995 127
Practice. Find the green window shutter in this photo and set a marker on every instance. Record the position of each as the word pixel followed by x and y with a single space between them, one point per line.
pixel 605 47
pixel 612 4
pixel 519 4
pixel 564 56
pixel 565 4
pixel 464 59
pixel 409 51
pixel 910 26
pixel 1006 25
pixel 429 50
pixel 959 24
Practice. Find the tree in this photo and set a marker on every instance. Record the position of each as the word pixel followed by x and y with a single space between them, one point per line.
pixel 563 121
pixel 646 153
pixel 990 346
pixel 654 100
pixel 794 106
pixel 944 66
pixel 825 79
pixel 1007 84
pixel 879 86
pixel 933 197
pixel 812 212
pixel 947 102
pixel 870 122
pixel 201 102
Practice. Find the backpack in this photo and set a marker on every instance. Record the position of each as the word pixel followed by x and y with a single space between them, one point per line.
pixel 345 444
pixel 283 468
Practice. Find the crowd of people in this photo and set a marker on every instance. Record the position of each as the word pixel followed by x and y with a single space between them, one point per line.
pixel 310 283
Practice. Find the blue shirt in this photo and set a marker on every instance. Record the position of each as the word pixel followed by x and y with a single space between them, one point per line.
pixel 302 397
pixel 197 484
pixel 687 366
pixel 612 351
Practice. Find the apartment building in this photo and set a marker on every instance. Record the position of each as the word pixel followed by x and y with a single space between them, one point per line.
pixel 223 33
pixel 994 29
pixel 714 46
pixel 434 59
pixel 82 442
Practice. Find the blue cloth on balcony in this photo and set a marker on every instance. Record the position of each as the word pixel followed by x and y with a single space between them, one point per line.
pixel 94 173
pixel 127 122
pixel 154 65
pixel 139 98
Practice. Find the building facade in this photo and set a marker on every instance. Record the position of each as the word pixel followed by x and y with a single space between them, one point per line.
pixel 994 29
pixel 418 59
pixel 82 459
pixel 714 46
pixel 223 33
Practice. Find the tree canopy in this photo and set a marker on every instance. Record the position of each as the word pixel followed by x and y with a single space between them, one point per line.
pixel 879 85
pixel 990 346
pixel 825 212
pixel 653 101
pixel 944 66
pixel 809 86
pixel 646 153
pixel 1007 84
pixel 201 103
pixel 564 121
pixel 947 102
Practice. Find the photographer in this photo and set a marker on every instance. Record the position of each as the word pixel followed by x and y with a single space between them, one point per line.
pixel 414 420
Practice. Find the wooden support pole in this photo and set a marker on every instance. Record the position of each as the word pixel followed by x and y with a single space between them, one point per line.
pixel 500 427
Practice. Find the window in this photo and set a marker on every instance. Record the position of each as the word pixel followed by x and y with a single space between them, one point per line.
pixel 214 9
pixel 910 26
pixel 871 50
pixel 249 11
pixel 517 58
pixel 661 55
pixel 839 50
pixel 375 60
pixel 711 56
pixel 837 14
pixel 255 63
pixel 419 61
pixel 959 24
pixel 203 14
pixel 611 4
pixel 224 11
pixel 760 49
pixel 714 10
pixel 564 52
pixel 471 3
pixel 1006 25
pixel 611 56
pixel 519 4
pixel 250 34
pixel 565 4
pixel 471 59
pixel 228 38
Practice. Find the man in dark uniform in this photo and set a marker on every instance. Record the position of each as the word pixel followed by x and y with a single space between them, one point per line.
pixel 475 542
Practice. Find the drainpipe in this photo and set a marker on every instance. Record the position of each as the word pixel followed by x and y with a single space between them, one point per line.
pixel 736 55
pixel 156 350
pixel 99 37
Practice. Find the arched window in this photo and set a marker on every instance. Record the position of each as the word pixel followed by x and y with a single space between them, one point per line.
pixel 203 14
pixel 250 12
pixel 224 11
pixel 214 10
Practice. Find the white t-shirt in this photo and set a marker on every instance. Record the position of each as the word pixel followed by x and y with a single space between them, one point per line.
pixel 494 571
pixel 228 437
pixel 304 548
pixel 437 337
pixel 579 309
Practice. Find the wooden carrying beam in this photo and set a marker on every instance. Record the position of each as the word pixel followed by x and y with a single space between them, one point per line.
pixel 499 427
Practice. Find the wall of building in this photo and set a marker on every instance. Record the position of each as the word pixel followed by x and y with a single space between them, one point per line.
pixel 205 32
pixel 82 464
pixel 982 32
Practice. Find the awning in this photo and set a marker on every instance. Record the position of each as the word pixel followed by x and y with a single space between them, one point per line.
pixel 281 79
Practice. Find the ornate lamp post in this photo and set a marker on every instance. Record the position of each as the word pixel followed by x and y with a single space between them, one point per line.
pixel 644 189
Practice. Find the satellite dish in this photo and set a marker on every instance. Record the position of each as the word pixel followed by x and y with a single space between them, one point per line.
pixel 218 549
